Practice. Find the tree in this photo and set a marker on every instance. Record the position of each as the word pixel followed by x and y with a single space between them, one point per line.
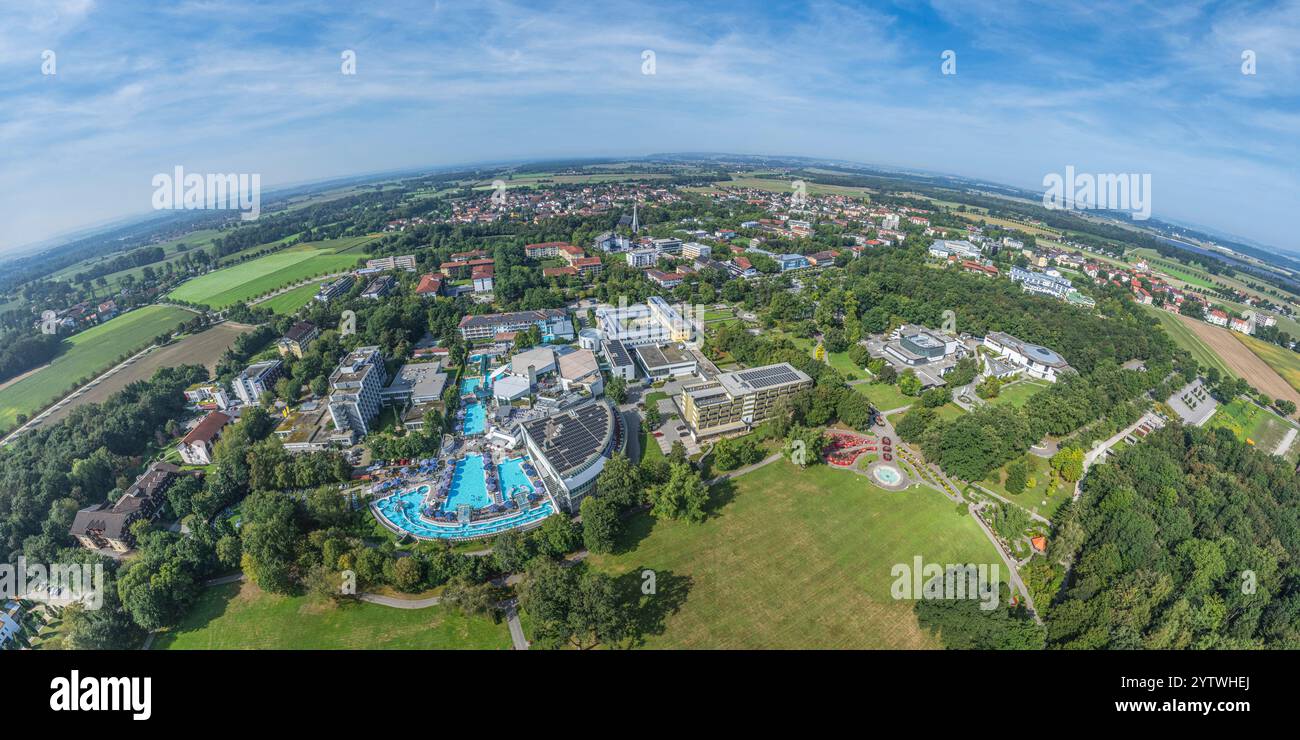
pixel 570 605
pixel 472 599
pixel 601 524
pixel 935 397
pixel 909 384
pixel 729 454
pixel 616 390
pixel 1017 476
pixel 269 533
pixel 620 482
pixel 887 375
pixel 1068 463
pixel 408 574
pixel 683 496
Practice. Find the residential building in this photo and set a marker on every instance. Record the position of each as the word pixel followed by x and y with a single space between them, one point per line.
pixel 544 249
pixel 430 285
pixel 695 250
pixel 587 266
pixel 738 400
pixel 355 390
pixel 107 525
pixel 1047 283
pixel 255 380
pixel 1216 316
pixel 483 278
pixel 665 279
pixel 379 287
pixel 404 262
pixel 335 288
pixel 297 339
pixel 639 258
pixel 962 249
pixel 195 447
pixel 552 322
pixel 208 396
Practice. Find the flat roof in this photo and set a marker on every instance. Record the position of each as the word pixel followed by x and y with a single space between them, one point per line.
pixel 667 355
pixel 617 353
pixel 420 379
pixel 740 382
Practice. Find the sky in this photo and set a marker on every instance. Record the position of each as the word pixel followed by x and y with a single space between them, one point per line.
pixel 231 87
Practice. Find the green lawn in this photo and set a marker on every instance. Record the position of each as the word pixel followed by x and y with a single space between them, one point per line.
pixel 1251 423
pixel 793 559
pixel 884 397
pixel 250 279
pixel 243 617
pixel 1018 393
pixel 289 302
pixel 90 352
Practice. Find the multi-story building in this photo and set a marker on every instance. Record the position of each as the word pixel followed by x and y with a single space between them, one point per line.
pixel 379 287
pixel 639 258
pixel 255 380
pixel 417 383
pixel 1046 283
pixel 355 389
pixel 108 525
pixel 195 447
pixel 403 262
pixel 652 322
pixel 695 250
pixel 296 340
pixel 335 288
pixel 738 400
pixel 552 322
pixel 543 250
pixel 619 359
pixel 944 248
pixel 208 396
pixel 1034 360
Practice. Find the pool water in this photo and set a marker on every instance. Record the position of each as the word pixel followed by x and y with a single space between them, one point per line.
pixel 511 474
pixel 469 385
pixel 467 485
pixel 475 419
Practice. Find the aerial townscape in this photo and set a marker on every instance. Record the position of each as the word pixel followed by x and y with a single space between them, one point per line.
pixel 920 340
pixel 712 370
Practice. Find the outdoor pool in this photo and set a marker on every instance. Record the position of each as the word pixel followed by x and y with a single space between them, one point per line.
pixel 475 419
pixel 510 474
pixel 469 385
pixel 403 512
pixel 467 485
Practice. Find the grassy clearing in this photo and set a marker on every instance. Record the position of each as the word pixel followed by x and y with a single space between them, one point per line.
pixel 90 352
pixel 288 302
pixel 883 397
pixel 243 617
pixel 796 558
pixel 1251 423
pixel 1018 394
pixel 1040 497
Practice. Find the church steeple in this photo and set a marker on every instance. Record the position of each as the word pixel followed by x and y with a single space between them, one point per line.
pixel 635 225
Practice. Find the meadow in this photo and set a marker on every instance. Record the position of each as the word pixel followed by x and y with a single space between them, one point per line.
pixel 288 302
pixel 1284 361
pixel 240 616
pixel 1184 337
pixel 795 558
pixel 1252 424
pixel 89 353
pixel 240 282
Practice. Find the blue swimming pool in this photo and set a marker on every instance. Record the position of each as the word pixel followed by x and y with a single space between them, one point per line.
pixel 475 419
pixel 469 385
pixel 511 474
pixel 467 485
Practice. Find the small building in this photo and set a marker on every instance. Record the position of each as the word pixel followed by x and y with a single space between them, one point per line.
pixel 195 447
pixel 430 285
pixel 379 287
pixel 532 363
pixel 416 383
pixel 255 380
pixel 620 360
pixel 509 388
pixel 665 361
pixel 296 340
pixel 580 370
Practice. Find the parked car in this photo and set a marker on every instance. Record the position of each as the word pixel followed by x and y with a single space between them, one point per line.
pixel 659 434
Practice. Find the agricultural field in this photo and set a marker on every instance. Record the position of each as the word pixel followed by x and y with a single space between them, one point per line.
pixel 785 186
pixel 288 302
pixel 204 348
pixel 240 282
pixel 794 558
pixel 240 616
pixel 1241 361
pixel 90 352
pixel 1179 329
pixel 1254 425
pixel 1284 361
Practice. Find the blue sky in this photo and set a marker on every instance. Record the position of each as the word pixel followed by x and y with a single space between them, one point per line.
pixel 1147 87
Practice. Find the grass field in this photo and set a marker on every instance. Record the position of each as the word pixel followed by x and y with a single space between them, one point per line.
pixel 1018 394
pixel 91 352
pixel 256 277
pixel 290 301
pixel 883 397
pixel 1285 362
pixel 1033 497
pixel 796 558
pixel 1184 337
pixel 243 617
pixel 1251 423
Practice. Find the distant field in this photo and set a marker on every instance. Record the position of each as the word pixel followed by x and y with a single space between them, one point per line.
pixel 533 180
pixel 1179 329
pixel 795 559
pixel 1009 224
pixel 1243 363
pixel 290 301
pixel 250 279
pixel 91 352
pixel 204 348
pixel 786 186
pixel 1281 359
pixel 1251 423
pixel 243 617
